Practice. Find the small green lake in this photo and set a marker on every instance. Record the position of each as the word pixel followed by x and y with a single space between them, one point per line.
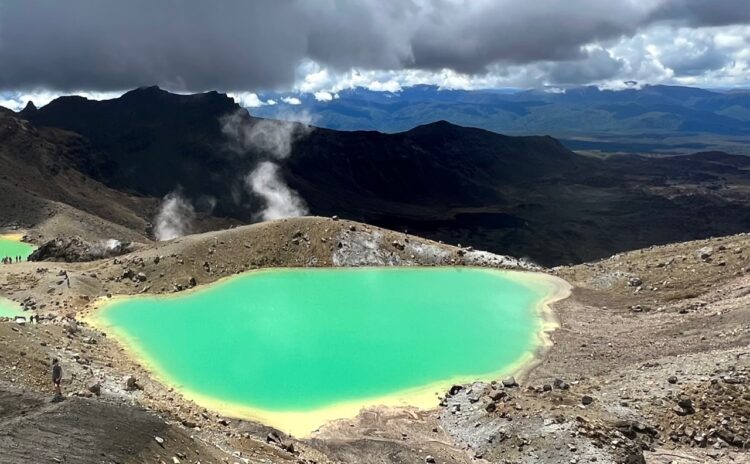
pixel 10 308
pixel 301 340
pixel 12 246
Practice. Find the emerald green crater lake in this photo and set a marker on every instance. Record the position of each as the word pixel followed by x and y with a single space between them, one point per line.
pixel 10 308
pixel 11 247
pixel 300 339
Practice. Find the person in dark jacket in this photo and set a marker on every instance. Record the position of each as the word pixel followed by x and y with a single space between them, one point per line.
pixel 57 379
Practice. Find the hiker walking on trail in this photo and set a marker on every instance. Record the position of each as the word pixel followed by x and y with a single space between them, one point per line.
pixel 56 379
pixel 67 278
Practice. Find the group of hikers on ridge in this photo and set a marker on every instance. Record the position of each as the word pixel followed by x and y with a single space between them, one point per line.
pixel 12 259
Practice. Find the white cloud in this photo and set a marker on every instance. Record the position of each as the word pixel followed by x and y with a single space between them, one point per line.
pixel 390 85
pixel 17 100
pixel 662 53
pixel 323 96
pixel 704 56
pixel 291 100
pixel 312 77
pixel 250 99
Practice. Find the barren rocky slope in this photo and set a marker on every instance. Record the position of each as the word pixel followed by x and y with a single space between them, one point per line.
pixel 39 183
pixel 42 189
pixel 650 361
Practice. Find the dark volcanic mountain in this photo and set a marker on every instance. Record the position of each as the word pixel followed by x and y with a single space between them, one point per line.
pixel 525 196
pixel 151 140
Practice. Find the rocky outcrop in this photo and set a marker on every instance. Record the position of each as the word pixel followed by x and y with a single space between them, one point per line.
pixel 365 246
pixel 75 249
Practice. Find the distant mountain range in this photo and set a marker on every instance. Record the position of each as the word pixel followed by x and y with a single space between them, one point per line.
pixel 650 119
pixel 524 196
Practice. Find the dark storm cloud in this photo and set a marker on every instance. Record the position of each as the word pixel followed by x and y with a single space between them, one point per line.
pixel 114 44
pixel 598 65
pixel 245 45
pixel 467 36
pixel 187 44
pixel 706 12
pixel 694 64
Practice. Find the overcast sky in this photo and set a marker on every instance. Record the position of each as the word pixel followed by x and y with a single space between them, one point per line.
pixel 102 47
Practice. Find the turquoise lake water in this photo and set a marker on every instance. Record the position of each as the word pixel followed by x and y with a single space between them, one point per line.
pixel 10 308
pixel 13 248
pixel 301 339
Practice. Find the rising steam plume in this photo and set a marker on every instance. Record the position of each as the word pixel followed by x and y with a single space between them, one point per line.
pixel 281 201
pixel 175 217
pixel 274 140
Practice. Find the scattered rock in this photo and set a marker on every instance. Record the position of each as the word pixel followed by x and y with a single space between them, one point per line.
pixel 274 438
pixel 455 389
pixel 131 384
pixel 560 384
pixel 498 395
pixel 95 388
pixel 704 254
pixel 510 382
pixel 71 326
pixel 684 407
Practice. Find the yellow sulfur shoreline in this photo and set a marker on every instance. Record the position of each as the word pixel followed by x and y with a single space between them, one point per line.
pixel 16 237
pixel 303 423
